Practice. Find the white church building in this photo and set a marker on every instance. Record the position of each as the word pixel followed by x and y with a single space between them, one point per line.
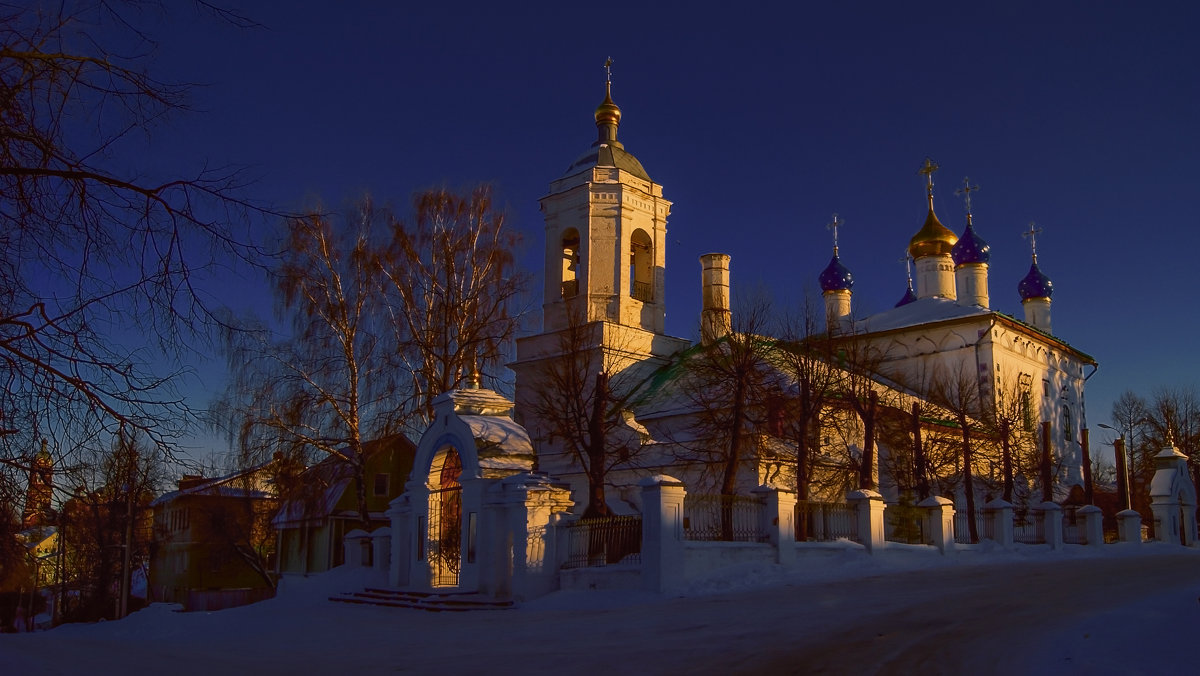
pixel 496 492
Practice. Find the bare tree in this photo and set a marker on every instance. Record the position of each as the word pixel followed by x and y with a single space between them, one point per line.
pixel 581 402
pixel 96 247
pixel 957 391
pixel 728 382
pixel 807 354
pixel 319 389
pixel 860 361
pixel 452 272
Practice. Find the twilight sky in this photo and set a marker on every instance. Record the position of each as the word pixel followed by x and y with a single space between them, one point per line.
pixel 759 122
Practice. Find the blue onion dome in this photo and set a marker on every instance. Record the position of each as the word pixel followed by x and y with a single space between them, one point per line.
pixel 836 277
pixel 970 248
pixel 909 296
pixel 1035 284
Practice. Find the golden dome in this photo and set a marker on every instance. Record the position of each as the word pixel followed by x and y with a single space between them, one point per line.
pixel 608 112
pixel 933 239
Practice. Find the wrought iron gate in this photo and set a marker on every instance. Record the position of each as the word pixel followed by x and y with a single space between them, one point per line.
pixel 445 535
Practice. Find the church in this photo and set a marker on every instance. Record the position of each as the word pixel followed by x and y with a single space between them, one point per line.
pixel 609 411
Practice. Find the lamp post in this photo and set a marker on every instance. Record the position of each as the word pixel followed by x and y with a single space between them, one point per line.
pixel 1122 466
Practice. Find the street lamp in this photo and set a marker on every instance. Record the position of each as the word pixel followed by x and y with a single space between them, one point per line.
pixel 1122 466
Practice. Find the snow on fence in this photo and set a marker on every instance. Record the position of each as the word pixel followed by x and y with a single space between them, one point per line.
pixel 985 526
pixel 825 522
pixel 725 518
pixel 603 541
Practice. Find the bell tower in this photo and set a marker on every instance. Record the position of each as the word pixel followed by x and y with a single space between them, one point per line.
pixel 606 230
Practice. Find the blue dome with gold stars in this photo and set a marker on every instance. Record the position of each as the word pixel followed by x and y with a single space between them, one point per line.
pixel 836 277
pixel 970 248
pixel 909 296
pixel 1035 285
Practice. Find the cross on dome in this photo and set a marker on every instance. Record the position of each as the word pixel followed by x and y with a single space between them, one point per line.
pixel 1031 235
pixel 608 69
pixel 966 191
pixel 834 225
pixel 927 170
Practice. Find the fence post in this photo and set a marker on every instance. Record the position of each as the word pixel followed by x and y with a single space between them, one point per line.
pixel 1093 524
pixel 381 544
pixel 1129 526
pixel 662 532
pixel 778 521
pixel 1051 515
pixel 1000 511
pixel 939 522
pixel 868 509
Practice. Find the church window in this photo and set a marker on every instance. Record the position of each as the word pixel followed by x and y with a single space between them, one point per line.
pixel 381 483
pixel 570 263
pixel 1045 388
pixel 641 266
pixel 1068 429
pixel 1026 411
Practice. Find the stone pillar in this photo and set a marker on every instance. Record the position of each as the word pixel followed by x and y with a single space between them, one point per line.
pixel 1093 524
pixel 662 533
pixel 400 562
pixel 532 499
pixel 868 508
pixel 357 542
pixel 1129 526
pixel 779 521
pixel 1001 514
pixel 1173 499
pixel 420 576
pixel 1050 515
pixel 381 549
pixel 939 522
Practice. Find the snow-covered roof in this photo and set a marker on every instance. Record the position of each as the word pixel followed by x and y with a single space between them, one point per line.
pixel 501 444
pixel 920 311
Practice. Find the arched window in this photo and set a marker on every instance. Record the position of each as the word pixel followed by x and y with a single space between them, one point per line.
pixel 641 266
pixel 1068 428
pixel 570 263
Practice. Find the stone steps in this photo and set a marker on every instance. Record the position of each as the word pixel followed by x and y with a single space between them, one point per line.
pixel 422 600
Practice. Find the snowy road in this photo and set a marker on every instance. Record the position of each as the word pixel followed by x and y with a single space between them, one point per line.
pixel 1052 615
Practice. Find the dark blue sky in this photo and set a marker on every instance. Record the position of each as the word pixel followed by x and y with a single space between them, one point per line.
pixel 759 122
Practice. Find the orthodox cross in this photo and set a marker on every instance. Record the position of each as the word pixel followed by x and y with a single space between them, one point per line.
pixel 834 225
pixel 907 266
pixel 927 170
pixel 1031 235
pixel 966 191
pixel 608 69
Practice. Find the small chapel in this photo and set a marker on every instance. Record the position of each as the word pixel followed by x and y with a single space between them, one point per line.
pixel 608 420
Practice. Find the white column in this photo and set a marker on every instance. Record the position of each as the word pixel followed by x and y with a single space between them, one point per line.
pixel 1129 526
pixel 779 521
pixel 1051 515
pixel 1001 514
pixel 662 532
pixel 939 522
pixel 868 508
pixel 1093 524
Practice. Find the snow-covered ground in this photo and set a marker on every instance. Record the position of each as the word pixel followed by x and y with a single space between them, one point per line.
pixel 1118 609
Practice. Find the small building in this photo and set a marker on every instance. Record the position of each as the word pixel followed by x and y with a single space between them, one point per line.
pixel 213 544
pixel 311 527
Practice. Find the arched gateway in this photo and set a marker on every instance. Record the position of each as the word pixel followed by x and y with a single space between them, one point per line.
pixel 474 514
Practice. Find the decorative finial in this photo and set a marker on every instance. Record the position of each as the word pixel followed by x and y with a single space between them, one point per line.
pixel 907 260
pixel 1031 235
pixel 834 225
pixel 966 191
pixel 608 69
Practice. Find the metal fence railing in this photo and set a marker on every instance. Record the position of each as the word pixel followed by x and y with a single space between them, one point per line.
pixel 1028 529
pixel 825 522
pixel 904 523
pixel 604 541
pixel 984 526
pixel 1072 527
pixel 727 518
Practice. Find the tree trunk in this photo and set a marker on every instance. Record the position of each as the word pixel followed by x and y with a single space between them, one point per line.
pixel 360 484
pixel 597 505
pixel 733 459
pixel 1006 465
pixel 866 479
pixel 1047 480
pixel 968 477
pixel 919 464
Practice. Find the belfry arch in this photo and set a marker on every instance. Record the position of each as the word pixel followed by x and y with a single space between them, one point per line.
pixel 570 263
pixel 641 266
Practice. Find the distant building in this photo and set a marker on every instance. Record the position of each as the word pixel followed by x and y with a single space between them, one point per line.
pixel 213 542
pixel 311 527
pixel 39 491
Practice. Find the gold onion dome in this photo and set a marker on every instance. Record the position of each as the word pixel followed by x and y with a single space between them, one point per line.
pixel 933 239
pixel 608 112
